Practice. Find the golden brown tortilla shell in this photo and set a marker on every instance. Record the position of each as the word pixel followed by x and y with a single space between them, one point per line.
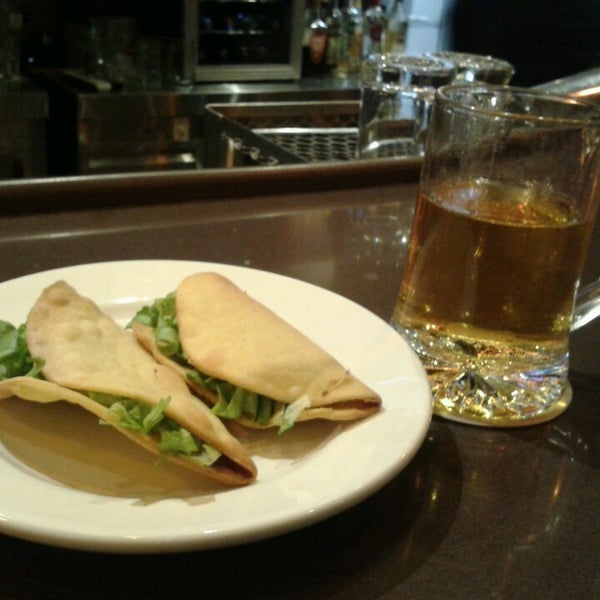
pixel 38 390
pixel 83 349
pixel 227 334
pixel 145 337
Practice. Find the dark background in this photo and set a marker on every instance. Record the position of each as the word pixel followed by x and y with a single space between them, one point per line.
pixel 45 35
pixel 543 39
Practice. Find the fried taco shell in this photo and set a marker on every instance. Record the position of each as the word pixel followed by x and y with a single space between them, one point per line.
pixel 84 351
pixel 230 336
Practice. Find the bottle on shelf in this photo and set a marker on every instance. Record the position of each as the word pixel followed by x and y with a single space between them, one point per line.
pixel 350 55
pixel 374 29
pixel 317 45
pixel 395 34
pixel 308 18
pixel 334 25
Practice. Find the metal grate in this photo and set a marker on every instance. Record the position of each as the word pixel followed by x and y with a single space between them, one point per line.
pixel 314 145
pixel 281 133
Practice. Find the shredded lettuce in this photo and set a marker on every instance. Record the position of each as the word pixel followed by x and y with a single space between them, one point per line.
pixel 292 412
pixel 233 401
pixel 209 383
pixel 206 455
pixel 230 408
pixel 133 415
pixel 15 359
pixel 179 441
pixel 162 318
pixel 266 407
pixel 149 420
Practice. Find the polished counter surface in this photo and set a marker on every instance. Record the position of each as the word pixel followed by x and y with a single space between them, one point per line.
pixel 478 513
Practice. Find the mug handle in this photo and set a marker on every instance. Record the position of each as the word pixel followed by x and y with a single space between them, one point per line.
pixel 587 304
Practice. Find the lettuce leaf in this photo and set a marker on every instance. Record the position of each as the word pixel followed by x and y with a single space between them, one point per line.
pixel 151 420
pixel 235 402
pixel 15 359
pixel 179 441
pixel 292 411
pixel 161 317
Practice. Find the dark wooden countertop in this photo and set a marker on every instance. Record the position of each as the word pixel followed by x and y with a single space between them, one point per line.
pixel 478 513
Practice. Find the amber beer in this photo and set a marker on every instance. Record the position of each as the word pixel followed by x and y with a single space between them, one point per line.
pixel 510 184
pixel 490 279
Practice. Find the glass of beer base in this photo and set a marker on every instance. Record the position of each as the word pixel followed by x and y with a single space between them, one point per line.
pixel 508 194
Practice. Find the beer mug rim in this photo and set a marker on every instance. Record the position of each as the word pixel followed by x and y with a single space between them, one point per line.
pixel 410 61
pixel 406 71
pixel 465 60
pixel 533 106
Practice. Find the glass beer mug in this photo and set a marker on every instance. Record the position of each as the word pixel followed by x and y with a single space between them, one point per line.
pixel 509 190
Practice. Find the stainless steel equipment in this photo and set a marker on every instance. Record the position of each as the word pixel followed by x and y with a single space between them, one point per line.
pixel 131 130
pixel 138 136
pixel 278 133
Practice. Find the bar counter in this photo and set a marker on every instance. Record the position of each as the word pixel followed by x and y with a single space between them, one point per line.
pixel 477 513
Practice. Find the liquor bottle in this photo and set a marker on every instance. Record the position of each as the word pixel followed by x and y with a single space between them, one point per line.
pixel 317 45
pixel 395 35
pixel 374 29
pixel 351 40
pixel 308 18
pixel 334 25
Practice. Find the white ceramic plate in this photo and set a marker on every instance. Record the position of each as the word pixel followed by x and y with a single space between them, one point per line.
pixel 68 482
